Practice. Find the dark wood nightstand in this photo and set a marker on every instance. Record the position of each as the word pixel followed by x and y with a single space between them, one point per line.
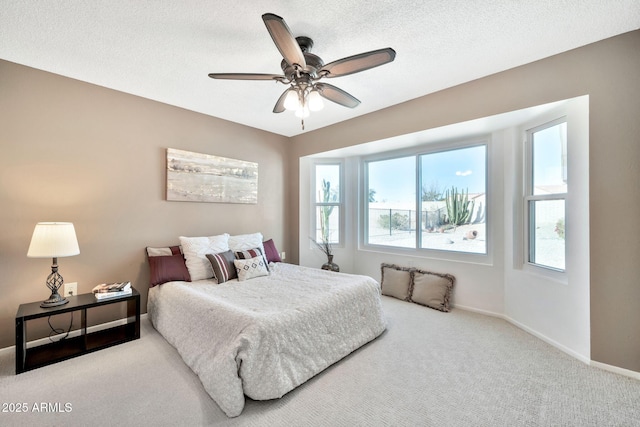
pixel 36 357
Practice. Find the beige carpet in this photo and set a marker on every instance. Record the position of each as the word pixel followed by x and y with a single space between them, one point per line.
pixel 427 369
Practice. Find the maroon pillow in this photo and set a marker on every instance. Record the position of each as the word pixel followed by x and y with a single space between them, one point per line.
pixel 166 265
pixel 271 252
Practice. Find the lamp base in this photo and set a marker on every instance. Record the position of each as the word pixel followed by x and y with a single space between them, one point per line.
pixel 54 282
pixel 54 300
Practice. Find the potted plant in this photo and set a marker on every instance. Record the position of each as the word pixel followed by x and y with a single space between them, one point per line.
pixel 325 213
pixel 325 246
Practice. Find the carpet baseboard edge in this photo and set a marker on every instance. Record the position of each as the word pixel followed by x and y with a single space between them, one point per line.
pixel 615 369
pixel 72 333
pixel 575 355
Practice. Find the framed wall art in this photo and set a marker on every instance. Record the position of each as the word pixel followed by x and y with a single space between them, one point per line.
pixel 196 177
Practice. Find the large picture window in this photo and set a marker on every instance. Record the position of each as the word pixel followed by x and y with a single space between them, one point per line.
pixel 430 200
pixel 328 202
pixel 545 194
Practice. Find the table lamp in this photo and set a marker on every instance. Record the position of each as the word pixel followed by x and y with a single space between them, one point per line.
pixel 53 240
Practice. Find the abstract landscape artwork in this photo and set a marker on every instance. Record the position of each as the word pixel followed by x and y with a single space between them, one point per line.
pixel 196 177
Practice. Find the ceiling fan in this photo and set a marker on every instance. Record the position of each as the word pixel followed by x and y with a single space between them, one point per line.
pixel 302 71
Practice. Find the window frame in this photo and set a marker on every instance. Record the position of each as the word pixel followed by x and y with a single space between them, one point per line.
pixel 529 199
pixel 416 152
pixel 365 194
pixel 340 204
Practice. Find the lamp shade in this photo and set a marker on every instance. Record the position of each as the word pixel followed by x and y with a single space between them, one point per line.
pixel 53 240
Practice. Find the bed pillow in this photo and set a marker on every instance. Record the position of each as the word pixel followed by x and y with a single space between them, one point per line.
pixel 252 253
pixel 243 242
pixel 195 252
pixel 223 267
pixel 270 251
pixel 165 265
pixel 250 268
pixel 396 281
pixel 432 289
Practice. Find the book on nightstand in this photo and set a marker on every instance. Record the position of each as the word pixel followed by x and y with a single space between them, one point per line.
pixel 112 290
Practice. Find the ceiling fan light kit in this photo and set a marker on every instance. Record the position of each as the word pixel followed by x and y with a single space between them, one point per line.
pixel 291 101
pixel 302 71
pixel 315 100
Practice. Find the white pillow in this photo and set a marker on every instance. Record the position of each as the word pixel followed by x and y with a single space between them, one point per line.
pixel 250 268
pixel 244 242
pixel 195 251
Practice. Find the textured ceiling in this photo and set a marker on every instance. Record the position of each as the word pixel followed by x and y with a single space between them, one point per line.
pixel 163 50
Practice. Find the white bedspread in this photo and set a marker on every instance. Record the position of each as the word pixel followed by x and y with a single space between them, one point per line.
pixel 265 336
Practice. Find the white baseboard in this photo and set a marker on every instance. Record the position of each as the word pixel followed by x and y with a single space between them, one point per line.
pixel 72 334
pixel 575 355
pixel 549 341
pixel 530 331
pixel 479 311
pixel 615 369
pixel 599 365
pixel 6 350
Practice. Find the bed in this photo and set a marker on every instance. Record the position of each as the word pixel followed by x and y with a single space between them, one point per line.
pixel 265 336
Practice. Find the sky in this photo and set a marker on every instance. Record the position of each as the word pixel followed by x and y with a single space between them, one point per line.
pixel 549 153
pixel 464 168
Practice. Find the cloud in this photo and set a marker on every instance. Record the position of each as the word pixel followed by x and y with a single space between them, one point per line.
pixel 465 173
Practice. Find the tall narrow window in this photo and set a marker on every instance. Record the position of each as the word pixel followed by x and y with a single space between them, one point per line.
pixel 328 202
pixel 545 194
pixel 391 195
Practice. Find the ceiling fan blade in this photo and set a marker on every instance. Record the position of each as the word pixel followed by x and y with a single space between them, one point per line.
pixel 245 76
pixel 357 63
pixel 279 107
pixel 337 95
pixel 284 40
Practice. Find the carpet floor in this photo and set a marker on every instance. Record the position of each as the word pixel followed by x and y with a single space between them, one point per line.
pixel 427 369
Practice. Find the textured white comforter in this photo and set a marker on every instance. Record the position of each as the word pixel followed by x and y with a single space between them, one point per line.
pixel 265 336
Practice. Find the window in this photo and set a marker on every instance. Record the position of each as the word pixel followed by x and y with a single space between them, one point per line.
pixel 428 201
pixel 392 202
pixel 328 201
pixel 545 195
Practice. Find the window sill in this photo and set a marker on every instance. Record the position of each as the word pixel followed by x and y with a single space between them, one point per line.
pixel 449 256
pixel 559 277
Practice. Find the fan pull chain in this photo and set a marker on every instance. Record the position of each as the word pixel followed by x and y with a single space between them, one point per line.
pixel 302 121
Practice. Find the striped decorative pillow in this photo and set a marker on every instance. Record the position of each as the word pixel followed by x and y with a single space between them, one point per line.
pixel 223 267
pixel 252 253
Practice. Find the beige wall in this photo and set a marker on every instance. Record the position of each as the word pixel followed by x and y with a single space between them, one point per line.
pixel 71 151
pixel 606 71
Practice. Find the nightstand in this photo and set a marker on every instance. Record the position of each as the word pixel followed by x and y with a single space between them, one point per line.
pixel 42 355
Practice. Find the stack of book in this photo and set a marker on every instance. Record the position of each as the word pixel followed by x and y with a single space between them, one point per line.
pixel 112 290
